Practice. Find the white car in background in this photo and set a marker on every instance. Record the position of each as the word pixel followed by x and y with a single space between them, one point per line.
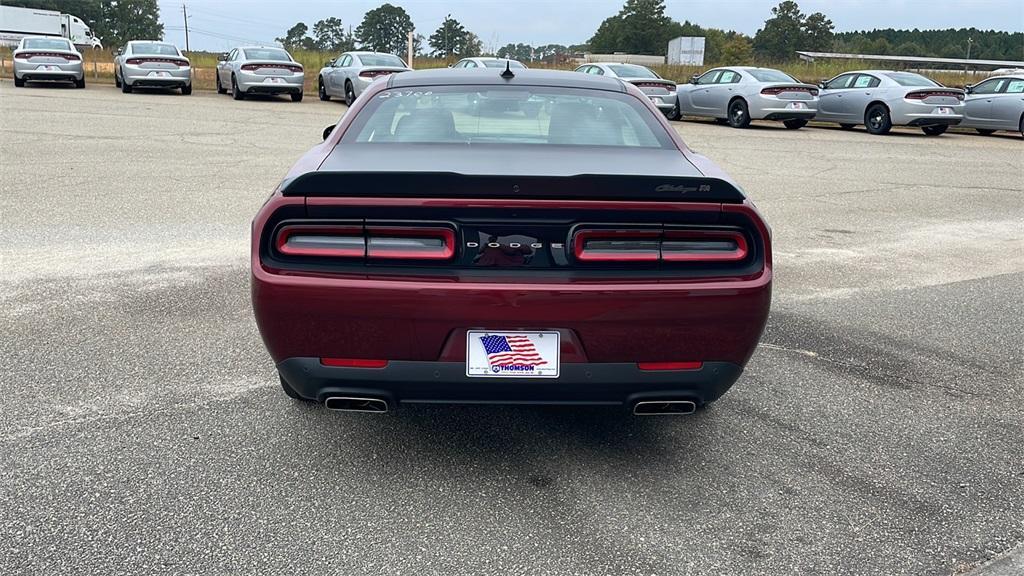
pixel 662 92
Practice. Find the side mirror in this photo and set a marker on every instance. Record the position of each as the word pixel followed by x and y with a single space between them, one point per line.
pixel 694 78
pixel 329 64
pixel 969 89
pixel 449 65
pixel 119 51
pixel 223 57
pixel 328 130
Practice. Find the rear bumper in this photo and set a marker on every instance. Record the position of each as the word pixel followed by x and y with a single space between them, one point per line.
pixel 140 77
pixel 67 72
pixel 257 84
pixel 446 382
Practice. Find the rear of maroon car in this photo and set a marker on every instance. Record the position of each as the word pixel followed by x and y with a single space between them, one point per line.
pixel 442 245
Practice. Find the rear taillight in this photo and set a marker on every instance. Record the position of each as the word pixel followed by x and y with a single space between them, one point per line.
pixel 669 245
pixel 703 246
pixel 68 57
pixel 371 74
pixel 369 242
pixel 617 245
pixel 930 93
pixel 133 61
pixel 250 67
pixel 410 243
pixel 323 241
pixel 776 90
pixel 253 67
pixel 182 63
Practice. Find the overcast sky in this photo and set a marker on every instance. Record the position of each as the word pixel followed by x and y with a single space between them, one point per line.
pixel 219 24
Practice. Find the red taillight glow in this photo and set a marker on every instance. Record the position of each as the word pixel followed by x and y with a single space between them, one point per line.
pixel 670 245
pixel 655 366
pixel 353 363
pixel 929 93
pixel 370 242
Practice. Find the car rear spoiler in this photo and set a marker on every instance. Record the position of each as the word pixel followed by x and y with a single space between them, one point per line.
pixel 452 185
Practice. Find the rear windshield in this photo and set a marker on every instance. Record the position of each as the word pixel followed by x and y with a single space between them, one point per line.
pixel 631 71
pixel 501 64
pixel 769 75
pixel 507 115
pixel 381 60
pixel 267 54
pixel 155 49
pixel 910 79
pixel 46 44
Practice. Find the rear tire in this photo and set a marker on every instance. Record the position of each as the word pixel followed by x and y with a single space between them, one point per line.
pixel 126 87
pixel 739 114
pixel 186 89
pixel 321 90
pixel 297 97
pixel 674 113
pixel 220 87
pixel 877 120
pixel 117 80
pixel 235 92
pixel 80 83
pixel 350 93
pixel 19 82
pixel 795 123
pixel 934 130
pixel 985 131
pixel 847 126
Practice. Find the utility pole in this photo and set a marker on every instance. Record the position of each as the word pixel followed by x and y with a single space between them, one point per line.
pixel 409 51
pixel 447 46
pixel 184 16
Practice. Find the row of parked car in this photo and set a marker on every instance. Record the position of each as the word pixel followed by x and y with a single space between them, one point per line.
pixel 734 95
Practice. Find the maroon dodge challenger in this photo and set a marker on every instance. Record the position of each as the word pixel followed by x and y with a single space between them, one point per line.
pixel 518 237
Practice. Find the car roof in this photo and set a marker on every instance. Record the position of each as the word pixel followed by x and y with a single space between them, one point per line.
pixel 151 42
pixel 362 52
pixel 523 77
pixel 260 48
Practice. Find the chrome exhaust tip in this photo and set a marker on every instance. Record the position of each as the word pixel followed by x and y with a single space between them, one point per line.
pixel 664 408
pixel 349 404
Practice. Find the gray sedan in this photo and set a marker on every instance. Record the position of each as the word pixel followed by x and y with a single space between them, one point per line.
pixel 151 63
pixel 258 70
pixel 41 58
pixel 738 94
pixel 881 99
pixel 349 74
pixel 489 62
pixel 995 104
pixel 661 92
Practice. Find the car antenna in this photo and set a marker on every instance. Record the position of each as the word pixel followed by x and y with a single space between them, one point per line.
pixel 508 73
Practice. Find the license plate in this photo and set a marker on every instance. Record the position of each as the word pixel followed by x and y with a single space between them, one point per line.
pixel 45 68
pixel 273 80
pixel 512 354
pixel 159 74
pixel 943 110
pixel 797 105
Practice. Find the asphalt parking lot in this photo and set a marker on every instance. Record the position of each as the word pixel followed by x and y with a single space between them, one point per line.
pixel 877 430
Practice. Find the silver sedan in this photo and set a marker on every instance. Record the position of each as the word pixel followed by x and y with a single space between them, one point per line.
pixel 661 92
pixel 738 94
pixel 349 74
pixel 995 104
pixel 151 63
pixel 258 70
pixel 489 62
pixel 881 99
pixel 41 58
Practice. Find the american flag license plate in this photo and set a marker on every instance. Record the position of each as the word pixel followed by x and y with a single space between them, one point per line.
pixel 512 354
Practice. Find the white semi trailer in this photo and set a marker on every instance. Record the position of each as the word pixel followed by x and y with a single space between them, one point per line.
pixel 16 23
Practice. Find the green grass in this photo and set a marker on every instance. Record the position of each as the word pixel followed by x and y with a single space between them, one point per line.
pixel 99 68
